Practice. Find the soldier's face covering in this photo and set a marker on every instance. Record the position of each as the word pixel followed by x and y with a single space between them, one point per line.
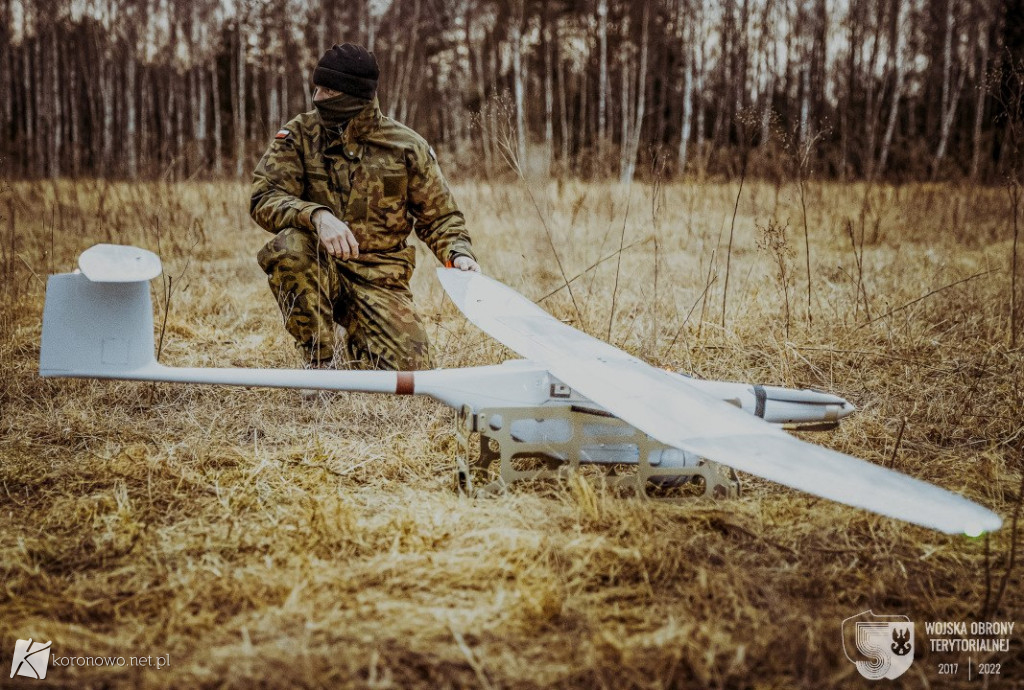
pixel 336 111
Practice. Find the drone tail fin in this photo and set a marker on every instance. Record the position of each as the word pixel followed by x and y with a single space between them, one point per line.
pixel 95 329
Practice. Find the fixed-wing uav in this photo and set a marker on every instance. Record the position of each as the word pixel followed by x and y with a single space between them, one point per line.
pixel 573 400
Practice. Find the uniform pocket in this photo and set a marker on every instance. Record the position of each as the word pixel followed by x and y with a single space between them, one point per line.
pixel 318 188
pixel 380 199
pixel 355 212
pixel 389 269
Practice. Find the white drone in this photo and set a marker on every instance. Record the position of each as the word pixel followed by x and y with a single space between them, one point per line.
pixel 573 400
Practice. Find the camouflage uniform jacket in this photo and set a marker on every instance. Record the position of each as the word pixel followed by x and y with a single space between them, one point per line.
pixel 377 175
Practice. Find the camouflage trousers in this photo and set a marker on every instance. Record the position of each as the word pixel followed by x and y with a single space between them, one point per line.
pixel 368 297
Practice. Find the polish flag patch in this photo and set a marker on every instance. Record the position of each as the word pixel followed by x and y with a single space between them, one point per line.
pixel 282 134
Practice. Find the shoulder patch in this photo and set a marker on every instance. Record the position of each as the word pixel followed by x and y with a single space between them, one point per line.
pixel 432 152
pixel 282 134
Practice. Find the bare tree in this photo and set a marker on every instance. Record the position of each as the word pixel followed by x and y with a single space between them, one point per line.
pixel 632 145
pixel 518 79
pixel 898 62
pixel 950 92
pixel 602 86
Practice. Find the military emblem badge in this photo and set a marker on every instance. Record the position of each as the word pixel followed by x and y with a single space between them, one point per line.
pixel 879 646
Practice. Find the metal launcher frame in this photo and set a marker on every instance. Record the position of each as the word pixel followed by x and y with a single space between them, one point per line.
pixel 494 456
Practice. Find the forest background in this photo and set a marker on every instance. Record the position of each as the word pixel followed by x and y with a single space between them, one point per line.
pixel 853 89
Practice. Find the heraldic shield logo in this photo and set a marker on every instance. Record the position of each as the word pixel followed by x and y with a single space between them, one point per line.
pixel 880 646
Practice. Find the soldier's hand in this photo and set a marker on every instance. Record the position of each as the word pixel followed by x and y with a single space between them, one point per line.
pixel 464 263
pixel 335 235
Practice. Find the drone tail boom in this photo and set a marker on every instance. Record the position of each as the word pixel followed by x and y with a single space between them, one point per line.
pixel 98 323
pixel 104 330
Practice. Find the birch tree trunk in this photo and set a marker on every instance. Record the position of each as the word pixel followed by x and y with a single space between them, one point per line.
pixel 32 158
pixel 321 27
pixel 950 94
pixel 274 101
pixel 179 125
pixel 689 51
pixel 285 111
pixel 241 125
pixel 872 104
pixel 563 117
pixel 602 84
pixel 479 90
pixel 72 108
pixel 720 128
pixel 980 93
pixel 201 128
pixel 143 98
pixel 845 111
pixel 764 74
pixel 586 116
pixel 39 107
pixel 739 77
pixel 516 45
pixel 55 135
pixel 898 40
pixel 371 28
pixel 166 152
pixel 407 67
pixel 625 94
pixel 130 142
pixel 803 133
pixel 218 131
pixel 641 101
pixel 549 90
pixel 684 137
pixel 6 69
pixel 107 81
pixel 699 82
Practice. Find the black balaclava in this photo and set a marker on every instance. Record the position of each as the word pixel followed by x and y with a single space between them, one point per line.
pixel 336 111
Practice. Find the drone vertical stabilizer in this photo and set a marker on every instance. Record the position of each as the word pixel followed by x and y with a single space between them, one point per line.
pixel 95 329
pixel 99 321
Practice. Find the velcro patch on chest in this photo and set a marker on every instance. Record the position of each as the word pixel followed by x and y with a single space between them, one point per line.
pixel 394 185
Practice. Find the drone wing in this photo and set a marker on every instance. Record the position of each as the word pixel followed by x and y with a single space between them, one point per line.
pixel 677 414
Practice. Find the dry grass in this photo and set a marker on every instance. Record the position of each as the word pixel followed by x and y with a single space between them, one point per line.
pixel 259 542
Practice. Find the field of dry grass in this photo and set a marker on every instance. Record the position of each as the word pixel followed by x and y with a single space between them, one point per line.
pixel 258 541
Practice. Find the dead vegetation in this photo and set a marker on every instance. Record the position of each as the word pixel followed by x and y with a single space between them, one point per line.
pixel 260 542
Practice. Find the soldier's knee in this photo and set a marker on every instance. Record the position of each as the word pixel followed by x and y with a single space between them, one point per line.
pixel 408 342
pixel 292 250
pixel 418 359
pixel 405 357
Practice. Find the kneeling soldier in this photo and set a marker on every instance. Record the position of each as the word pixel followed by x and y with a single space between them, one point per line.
pixel 341 187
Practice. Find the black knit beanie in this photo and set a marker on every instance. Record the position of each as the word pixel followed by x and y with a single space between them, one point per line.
pixel 348 68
